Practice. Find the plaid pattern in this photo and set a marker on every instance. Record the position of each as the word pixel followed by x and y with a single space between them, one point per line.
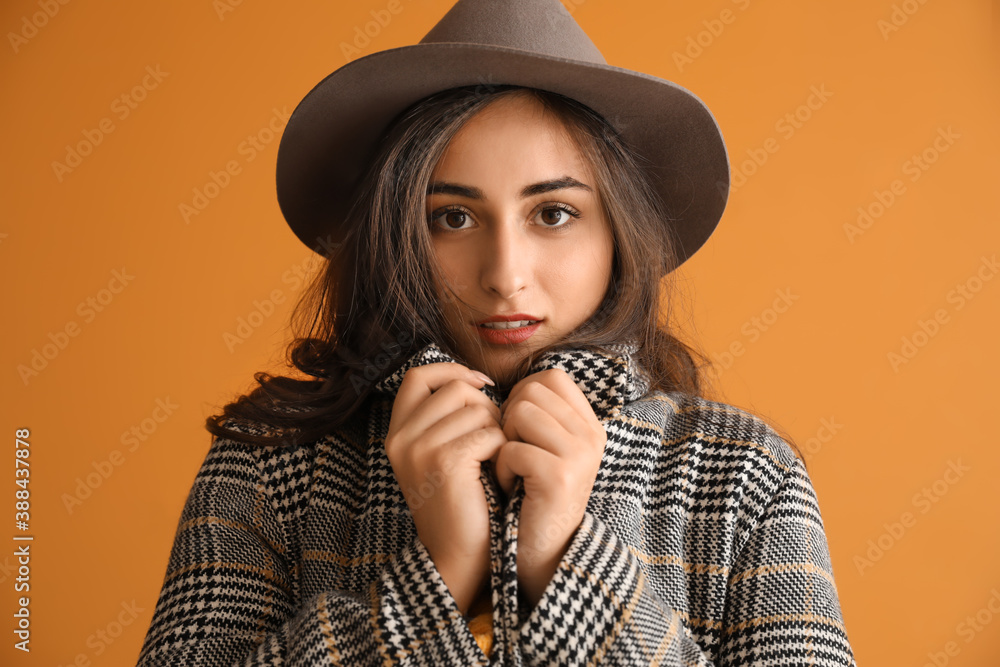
pixel 702 544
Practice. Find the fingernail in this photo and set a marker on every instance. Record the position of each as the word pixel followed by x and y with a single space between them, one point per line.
pixel 484 378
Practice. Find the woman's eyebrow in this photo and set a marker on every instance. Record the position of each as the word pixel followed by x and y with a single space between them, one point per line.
pixel 565 182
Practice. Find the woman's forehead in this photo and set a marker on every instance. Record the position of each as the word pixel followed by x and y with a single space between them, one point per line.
pixel 516 107
pixel 514 138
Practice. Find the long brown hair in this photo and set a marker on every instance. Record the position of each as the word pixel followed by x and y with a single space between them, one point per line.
pixel 374 302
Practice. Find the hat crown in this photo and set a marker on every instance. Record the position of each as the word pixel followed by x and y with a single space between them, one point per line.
pixel 541 26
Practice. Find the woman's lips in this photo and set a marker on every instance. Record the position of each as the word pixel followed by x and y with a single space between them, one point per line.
pixel 507 336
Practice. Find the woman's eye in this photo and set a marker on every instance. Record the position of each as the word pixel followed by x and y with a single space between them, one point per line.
pixel 452 218
pixel 557 216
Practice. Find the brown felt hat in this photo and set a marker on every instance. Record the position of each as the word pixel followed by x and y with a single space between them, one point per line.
pixel 331 136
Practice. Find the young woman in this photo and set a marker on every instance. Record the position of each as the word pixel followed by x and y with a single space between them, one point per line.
pixel 503 456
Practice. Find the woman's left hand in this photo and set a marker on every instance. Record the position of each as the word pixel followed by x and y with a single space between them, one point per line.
pixel 556 443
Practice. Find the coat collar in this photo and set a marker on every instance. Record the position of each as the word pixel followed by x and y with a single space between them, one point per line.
pixel 610 378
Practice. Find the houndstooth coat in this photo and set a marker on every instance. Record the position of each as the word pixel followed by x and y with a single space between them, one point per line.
pixel 702 544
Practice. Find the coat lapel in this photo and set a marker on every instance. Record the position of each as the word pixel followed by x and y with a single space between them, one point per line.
pixel 610 379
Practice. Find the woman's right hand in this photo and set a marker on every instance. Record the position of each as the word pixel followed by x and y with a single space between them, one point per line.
pixel 442 427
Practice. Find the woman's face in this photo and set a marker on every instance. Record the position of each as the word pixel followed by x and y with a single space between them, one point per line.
pixel 517 229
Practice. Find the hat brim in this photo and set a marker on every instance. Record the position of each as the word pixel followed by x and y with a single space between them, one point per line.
pixel 331 136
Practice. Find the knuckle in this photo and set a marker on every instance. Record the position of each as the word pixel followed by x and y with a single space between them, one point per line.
pixel 533 389
pixel 413 374
pixel 554 375
pixel 437 458
pixel 561 480
pixel 487 412
pixel 519 408
pixel 478 437
pixel 491 434
pixel 486 434
pixel 407 456
pixel 451 385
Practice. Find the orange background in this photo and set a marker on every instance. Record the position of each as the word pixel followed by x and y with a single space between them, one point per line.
pixel 876 433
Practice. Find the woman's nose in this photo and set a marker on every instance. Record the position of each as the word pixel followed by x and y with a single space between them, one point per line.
pixel 505 261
